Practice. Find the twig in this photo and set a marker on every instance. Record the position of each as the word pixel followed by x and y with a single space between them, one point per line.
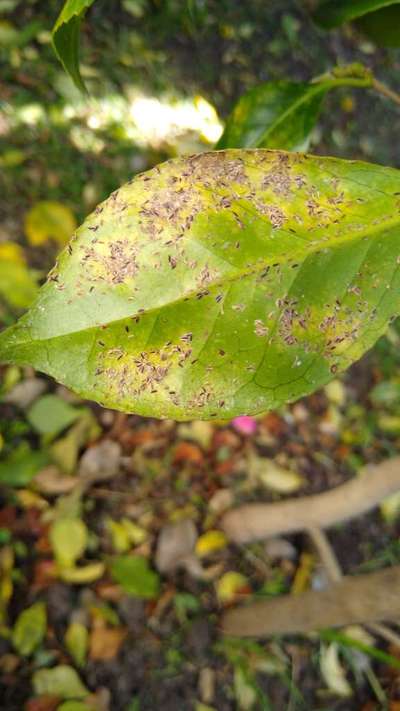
pixel 332 567
pixel 385 632
pixel 326 553
pixel 253 522
pixel 386 91
pixel 353 600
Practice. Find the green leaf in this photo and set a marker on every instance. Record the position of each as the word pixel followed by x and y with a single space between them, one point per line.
pixel 74 706
pixel 135 576
pixel 332 13
pixel 68 537
pixel 382 26
pixel 220 284
pixel 77 641
pixel 21 466
pixel 380 19
pixel 50 415
pixel 66 37
pixel 283 114
pixel 62 681
pixel 30 629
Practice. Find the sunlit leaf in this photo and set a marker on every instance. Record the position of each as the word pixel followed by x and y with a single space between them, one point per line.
pixel 220 284
pixel 135 576
pixel 66 37
pixel 379 19
pixel 68 537
pixel 230 585
pixel 210 542
pixel 125 534
pixel 283 114
pixel 12 252
pixel 18 286
pixel 62 681
pixel 84 574
pixel 30 629
pixel 49 220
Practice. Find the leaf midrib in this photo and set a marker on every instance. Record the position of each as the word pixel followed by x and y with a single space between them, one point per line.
pixel 370 231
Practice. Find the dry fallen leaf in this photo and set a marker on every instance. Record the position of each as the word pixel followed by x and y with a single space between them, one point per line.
pixel 175 542
pixel 51 481
pixel 105 643
pixel 100 462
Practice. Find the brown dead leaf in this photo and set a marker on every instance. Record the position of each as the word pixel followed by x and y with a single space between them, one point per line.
pixel 43 703
pixel 45 573
pixel 105 643
pixel 51 481
pixel 100 462
pixel 274 424
pixel 187 452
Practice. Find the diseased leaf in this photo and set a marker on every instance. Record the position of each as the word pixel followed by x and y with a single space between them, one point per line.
pixel 379 19
pixel 66 37
pixel 220 284
pixel 135 576
pixel 283 114
pixel 62 681
pixel 30 629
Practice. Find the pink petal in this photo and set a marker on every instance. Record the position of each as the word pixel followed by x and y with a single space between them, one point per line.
pixel 244 424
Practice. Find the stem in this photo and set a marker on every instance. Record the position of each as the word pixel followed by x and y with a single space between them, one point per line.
pixel 386 91
pixel 252 522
